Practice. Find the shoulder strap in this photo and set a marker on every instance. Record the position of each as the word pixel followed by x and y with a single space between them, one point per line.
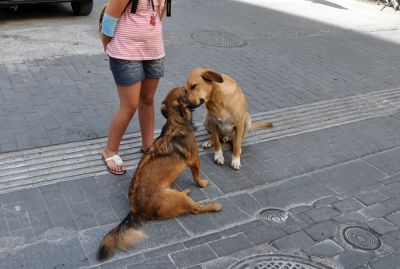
pixel 134 5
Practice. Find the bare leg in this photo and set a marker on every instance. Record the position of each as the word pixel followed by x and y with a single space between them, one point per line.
pixel 146 111
pixel 129 100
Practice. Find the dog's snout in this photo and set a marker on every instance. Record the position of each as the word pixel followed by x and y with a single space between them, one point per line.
pixel 201 101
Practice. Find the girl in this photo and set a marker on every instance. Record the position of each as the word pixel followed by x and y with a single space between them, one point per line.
pixel 132 38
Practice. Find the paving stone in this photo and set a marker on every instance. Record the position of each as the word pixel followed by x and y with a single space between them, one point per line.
pixel 348 205
pixel 393 188
pixel 16 217
pixel 394 218
pixel 161 262
pixel 296 241
pixel 381 226
pixel 326 248
pixel 300 209
pixel 72 192
pixel 301 190
pixel 41 222
pixel 352 175
pixel 163 251
pixel 228 245
pixel 323 230
pixel 26 233
pixel 3 228
pixel 33 200
pixel 351 259
pixel 202 240
pixel 197 255
pixel 248 226
pixel 246 203
pixel 386 161
pixel 322 213
pixel 370 198
pixel 263 233
pixel 375 211
pixel 326 201
pixel 123 263
pixel 351 217
pixel 229 214
pixel 11 198
pixel 388 262
pixel 393 204
pixel 83 216
pixel 393 239
pixel 103 211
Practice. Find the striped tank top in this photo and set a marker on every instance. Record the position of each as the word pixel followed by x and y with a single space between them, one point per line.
pixel 135 37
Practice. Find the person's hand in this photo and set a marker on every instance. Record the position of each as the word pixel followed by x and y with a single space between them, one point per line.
pixel 105 40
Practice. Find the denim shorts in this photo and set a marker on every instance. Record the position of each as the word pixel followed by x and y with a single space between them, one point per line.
pixel 128 72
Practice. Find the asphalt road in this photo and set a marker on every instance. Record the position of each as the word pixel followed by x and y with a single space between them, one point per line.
pixel 44 30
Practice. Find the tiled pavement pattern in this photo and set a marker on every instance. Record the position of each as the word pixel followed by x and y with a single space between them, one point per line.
pixel 326 180
pixel 65 99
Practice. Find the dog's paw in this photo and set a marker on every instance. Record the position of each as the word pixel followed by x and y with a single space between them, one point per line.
pixel 208 144
pixel 202 183
pixel 219 157
pixel 217 207
pixel 235 163
pixel 187 191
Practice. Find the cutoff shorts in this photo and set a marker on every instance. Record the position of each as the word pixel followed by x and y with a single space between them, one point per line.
pixel 128 72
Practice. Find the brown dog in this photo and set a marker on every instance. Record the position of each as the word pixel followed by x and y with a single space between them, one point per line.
pixel 226 118
pixel 150 195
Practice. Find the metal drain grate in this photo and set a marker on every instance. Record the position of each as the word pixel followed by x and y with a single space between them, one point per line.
pixel 218 39
pixel 273 215
pixel 361 238
pixel 275 261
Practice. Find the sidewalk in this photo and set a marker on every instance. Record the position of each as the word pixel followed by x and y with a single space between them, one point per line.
pixel 322 182
pixel 320 190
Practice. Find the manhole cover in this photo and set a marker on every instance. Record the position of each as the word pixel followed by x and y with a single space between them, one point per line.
pixel 273 215
pixel 275 261
pixel 219 39
pixel 361 238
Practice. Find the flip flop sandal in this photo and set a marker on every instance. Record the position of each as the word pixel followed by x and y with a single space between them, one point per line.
pixel 118 161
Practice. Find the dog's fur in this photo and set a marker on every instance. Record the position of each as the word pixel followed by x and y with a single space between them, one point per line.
pixel 226 117
pixel 150 195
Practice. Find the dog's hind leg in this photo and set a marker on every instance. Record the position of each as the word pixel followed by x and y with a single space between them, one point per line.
pixel 175 203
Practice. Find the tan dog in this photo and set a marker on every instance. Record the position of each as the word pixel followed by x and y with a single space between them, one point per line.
pixel 226 118
pixel 150 195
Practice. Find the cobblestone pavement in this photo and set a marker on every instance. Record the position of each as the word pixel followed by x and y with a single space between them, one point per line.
pixel 328 198
pixel 288 60
pixel 323 181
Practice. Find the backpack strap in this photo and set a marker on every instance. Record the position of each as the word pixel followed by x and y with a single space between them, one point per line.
pixel 134 5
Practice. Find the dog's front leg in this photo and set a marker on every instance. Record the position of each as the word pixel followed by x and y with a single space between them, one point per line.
pixel 218 155
pixel 195 169
pixel 237 146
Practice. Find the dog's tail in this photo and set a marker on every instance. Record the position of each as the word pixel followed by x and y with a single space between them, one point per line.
pixel 255 125
pixel 127 234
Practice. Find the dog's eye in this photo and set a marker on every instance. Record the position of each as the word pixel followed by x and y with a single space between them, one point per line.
pixel 193 87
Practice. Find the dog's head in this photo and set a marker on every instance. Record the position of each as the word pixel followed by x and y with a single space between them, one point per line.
pixel 176 104
pixel 199 85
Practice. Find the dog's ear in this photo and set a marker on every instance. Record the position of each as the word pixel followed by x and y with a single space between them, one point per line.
pixel 212 76
pixel 184 109
pixel 163 109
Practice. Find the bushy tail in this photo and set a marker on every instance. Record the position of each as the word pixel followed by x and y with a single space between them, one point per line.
pixel 255 125
pixel 127 234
